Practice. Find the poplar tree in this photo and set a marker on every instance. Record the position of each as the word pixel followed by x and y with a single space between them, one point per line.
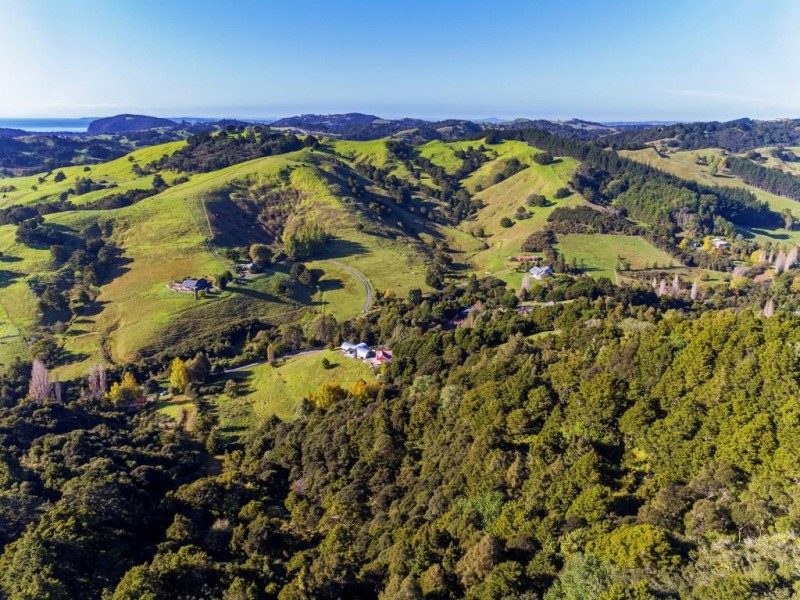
pixel 179 375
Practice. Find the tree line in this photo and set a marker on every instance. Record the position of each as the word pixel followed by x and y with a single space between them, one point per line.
pixel 774 181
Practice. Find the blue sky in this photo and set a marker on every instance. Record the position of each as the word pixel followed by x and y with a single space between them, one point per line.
pixel 601 60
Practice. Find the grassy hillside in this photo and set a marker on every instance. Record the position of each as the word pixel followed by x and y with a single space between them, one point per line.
pixel 373 152
pixel 601 252
pixel 267 390
pixel 119 172
pixel 500 200
pixel 172 235
pixel 776 163
pixel 188 230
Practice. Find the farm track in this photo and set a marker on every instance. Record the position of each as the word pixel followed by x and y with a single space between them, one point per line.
pixel 361 277
pixel 261 362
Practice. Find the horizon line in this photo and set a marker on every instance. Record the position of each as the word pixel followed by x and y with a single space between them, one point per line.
pixel 489 118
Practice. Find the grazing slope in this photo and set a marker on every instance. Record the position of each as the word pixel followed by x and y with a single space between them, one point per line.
pixel 277 390
pixel 182 232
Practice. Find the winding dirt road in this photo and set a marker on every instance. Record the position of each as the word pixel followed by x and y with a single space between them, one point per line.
pixel 360 276
pixel 282 357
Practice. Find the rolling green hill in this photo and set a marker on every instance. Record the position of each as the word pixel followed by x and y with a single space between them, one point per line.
pixel 392 212
pixel 175 234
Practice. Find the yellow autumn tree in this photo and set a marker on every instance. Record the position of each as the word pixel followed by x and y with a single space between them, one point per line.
pixel 328 394
pixel 358 390
pixel 126 393
pixel 361 390
pixel 178 376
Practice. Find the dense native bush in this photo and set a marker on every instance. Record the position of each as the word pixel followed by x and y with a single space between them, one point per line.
pixel 82 500
pixel 584 219
pixel 632 452
pixel 488 463
pixel 205 151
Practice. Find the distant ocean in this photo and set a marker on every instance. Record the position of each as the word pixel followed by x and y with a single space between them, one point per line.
pixel 70 125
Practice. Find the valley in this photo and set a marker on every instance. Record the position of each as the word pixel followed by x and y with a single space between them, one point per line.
pixel 603 312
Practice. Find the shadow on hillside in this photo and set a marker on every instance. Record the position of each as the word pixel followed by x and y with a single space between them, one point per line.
pixel 341 248
pixel 234 223
pixel 242 290
pixel 329 285
pixel 92 310
pixel 766 233
pixel 118 267
pixel 9 277
pixel 243 379
pixel 10 259
pixel 68 357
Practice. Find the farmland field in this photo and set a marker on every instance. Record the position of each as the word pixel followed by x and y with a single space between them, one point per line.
pixel 268 390
pixel 600 252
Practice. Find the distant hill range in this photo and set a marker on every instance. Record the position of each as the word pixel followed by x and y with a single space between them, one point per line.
pixel 26 151
pixel 735 136
pixel 126 123
pixel 6 132
pixel 359 126
pixel 573 128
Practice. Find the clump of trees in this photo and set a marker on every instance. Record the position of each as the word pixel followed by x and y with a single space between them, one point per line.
pixel 774 181
pixel 206 151
pixel 561 193
pixel 539 241
pixel 536 200
pixel 585 219
pixel 261 255
pixel 305 241
pixel 511 167
pixel 302 274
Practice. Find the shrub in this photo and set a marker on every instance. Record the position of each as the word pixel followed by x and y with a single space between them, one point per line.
pixel 536 200
pixel 538 241
pixel 261 255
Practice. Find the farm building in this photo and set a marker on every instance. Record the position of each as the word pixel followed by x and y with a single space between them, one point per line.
pixel 541 272
pixel 719 243
pixel 348 347
pixel 363 351
pixel 194 285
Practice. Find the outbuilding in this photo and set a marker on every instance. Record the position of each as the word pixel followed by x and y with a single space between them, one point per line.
pixel 363 351
pixel 196 285
pixel 348 347
pixel 541 272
